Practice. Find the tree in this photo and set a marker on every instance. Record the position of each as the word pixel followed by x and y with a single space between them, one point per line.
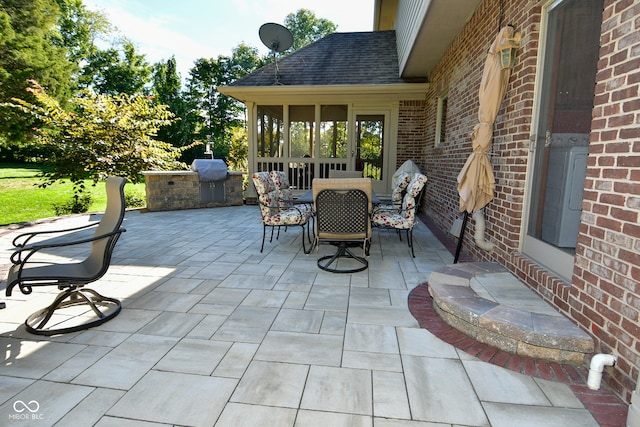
pixel 102 135
pixel 167 90
pixel 238 149
pixel 306 28
pixel 114 71
pixel 77 30
pixel 218 113
pixel 27 51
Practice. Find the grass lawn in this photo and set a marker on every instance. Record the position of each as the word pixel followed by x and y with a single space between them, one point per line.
pixel 22 200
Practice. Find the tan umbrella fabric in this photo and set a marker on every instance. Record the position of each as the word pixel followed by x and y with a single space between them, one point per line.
pixel 475 181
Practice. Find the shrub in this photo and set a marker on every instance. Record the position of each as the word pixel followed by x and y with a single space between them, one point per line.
pixel 134 200
pixel 77 204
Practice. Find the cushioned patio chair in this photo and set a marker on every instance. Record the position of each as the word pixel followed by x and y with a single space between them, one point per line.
pixel 400 183
pixel 285 193
pixel 343 216
pixel 279 212
pixel 405 218
pixel 31 269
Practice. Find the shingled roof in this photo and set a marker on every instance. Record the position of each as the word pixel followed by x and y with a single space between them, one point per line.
pixel 337 59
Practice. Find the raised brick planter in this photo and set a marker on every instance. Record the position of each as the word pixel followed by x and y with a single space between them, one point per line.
pixel 173 190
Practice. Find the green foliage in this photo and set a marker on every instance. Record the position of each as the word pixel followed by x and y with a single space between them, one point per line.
pixel 218 114
pixel 238 150
pixel 77 29
pixel 116 71
pixel 167 90
pixel 307 28
pixel 103 135
pixel 134 199
pixel 27 51
pixel 79 203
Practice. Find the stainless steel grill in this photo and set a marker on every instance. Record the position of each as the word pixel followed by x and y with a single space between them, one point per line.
pixel 212 174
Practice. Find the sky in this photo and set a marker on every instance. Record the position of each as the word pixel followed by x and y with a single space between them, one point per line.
pixel 192 29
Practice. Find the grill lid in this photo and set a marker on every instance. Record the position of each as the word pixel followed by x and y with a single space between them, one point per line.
pixel 210 169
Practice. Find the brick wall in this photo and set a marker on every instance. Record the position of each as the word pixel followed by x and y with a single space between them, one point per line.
pixel 607 271
pixel 604 294
pixel 411 131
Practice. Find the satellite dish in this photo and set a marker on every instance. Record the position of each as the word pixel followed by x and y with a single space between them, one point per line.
pixel 277 38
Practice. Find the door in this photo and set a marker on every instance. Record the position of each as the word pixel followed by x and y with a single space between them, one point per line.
pixel 564 99
pixel 370 149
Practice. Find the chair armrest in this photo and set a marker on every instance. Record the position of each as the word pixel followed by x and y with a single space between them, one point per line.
pixel 385 209
pixel 19 257
pixel 26 237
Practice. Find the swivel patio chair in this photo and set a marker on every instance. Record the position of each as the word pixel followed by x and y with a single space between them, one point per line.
pixel 405 218
pixel 343 208
pixel 32 269
pixel 277 212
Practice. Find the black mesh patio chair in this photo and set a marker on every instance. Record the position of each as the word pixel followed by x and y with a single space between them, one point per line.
pixel 31 268
pixel 343 207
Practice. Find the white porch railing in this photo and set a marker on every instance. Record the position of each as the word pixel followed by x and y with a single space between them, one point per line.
pixel 301 170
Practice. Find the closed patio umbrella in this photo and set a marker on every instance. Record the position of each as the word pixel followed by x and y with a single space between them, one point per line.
pixel 476 183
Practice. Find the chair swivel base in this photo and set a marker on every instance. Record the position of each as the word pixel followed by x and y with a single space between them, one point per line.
pixel 342 252
pixel 37 322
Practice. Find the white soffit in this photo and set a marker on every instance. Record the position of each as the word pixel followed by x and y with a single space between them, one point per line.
pixel 442 22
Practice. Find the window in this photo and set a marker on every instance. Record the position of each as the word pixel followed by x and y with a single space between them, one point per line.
pixel 301 129
pixel 270 130
pixel 441 119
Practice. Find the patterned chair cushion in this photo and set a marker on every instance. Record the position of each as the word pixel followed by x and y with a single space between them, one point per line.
pixel 404 179
pixel 403 220
pixel 416 185
pixel 263 183
pixel 291 216
pixel 285 194
pixel 281 182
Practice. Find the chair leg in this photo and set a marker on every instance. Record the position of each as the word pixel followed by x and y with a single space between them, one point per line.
pixel 309 238
pixel 36 323
pixel 410 241
pixel 264 233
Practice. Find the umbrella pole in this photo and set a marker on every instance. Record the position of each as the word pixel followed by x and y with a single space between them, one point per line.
pixel 461 237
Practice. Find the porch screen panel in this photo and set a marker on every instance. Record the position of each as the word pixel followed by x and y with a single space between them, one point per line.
pixel 333 131
pixel 270 130
pixel 301 130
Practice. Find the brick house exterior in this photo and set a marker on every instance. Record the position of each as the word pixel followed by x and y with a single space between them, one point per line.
pixel 599 289
pixel 603 294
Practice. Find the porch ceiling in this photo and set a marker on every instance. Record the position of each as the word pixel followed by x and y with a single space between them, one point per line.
pixel 441 22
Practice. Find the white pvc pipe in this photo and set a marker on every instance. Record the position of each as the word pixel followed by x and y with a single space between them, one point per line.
pixel 598 362
pixel 478 217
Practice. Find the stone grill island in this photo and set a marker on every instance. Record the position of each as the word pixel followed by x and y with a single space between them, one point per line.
pixel 208 184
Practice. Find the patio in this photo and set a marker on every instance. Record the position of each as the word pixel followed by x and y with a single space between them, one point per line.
pixel 213 332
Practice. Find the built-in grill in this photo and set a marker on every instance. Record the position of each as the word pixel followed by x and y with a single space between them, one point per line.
pixel 212 174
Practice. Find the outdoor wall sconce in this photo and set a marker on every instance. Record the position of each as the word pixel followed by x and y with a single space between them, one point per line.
pixel 507 50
